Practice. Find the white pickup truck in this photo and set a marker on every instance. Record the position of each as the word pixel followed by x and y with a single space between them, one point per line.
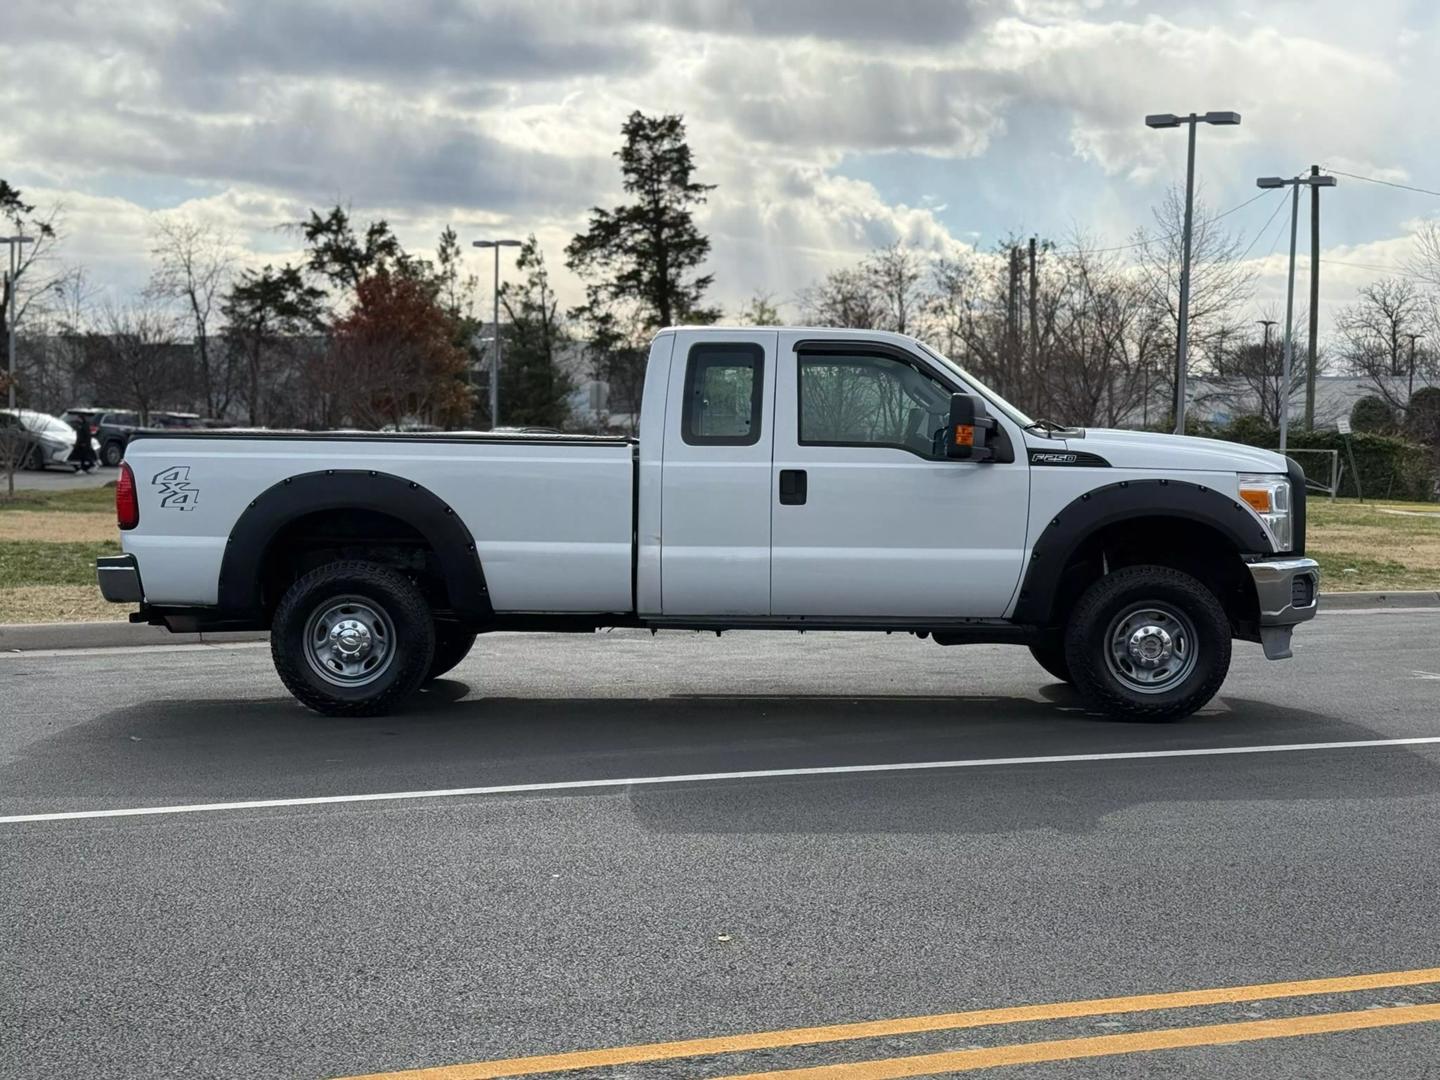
pixel 784 479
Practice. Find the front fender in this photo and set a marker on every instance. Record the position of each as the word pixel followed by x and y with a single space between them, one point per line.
pixel 1118 502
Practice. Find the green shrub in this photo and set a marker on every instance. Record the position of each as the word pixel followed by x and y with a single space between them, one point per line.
pixel 1372 414
pixel 1390 467
pixel 1422 418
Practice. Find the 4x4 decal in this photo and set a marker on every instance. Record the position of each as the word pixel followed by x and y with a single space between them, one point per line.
pixel 176 490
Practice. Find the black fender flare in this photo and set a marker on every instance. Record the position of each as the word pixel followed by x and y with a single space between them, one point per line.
pixel 1114 503
pixel 250 539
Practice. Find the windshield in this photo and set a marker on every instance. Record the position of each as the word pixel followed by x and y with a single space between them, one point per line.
pixel 979 387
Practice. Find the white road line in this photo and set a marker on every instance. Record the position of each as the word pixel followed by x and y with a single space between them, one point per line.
pixel 699 778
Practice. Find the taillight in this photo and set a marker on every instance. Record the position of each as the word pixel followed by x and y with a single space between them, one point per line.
pixel 127 503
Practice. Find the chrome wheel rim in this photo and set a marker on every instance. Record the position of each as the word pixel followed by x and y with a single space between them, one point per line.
pixel 349 641
pixel 1151 648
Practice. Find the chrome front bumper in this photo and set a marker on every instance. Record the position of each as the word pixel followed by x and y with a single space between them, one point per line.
pixel 1289 593
pixel 119 577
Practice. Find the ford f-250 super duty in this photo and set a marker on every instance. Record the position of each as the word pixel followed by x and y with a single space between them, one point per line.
pixel 783 479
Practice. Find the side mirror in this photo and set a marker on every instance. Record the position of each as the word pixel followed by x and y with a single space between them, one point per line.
pixel 967 436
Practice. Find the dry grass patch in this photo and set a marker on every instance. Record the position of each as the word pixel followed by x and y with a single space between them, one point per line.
pixel 58 603
pixel 58 526
pixel 1360 546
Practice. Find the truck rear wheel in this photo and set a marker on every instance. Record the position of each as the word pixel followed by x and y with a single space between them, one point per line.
pixel 1148 643
pixel 352 639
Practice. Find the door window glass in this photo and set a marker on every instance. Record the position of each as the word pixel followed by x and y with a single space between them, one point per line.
pixel 722 394
pixel 870 401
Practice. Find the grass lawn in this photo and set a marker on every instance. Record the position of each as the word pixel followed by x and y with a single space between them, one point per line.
pixel 76 500
pixel 49 542
pixel 1379 546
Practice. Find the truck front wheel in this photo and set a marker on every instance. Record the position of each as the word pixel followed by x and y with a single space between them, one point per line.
pixel 1148 643
pixel 352 639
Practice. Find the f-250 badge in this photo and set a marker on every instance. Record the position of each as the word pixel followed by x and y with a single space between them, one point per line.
pixel 176 490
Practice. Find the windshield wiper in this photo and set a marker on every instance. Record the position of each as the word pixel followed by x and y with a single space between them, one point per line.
pixel 1047 426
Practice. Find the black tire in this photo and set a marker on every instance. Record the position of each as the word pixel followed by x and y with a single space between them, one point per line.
pixel 1101 678
pixel 30 460
pixel 1050 655
pixel 112 453
pixel 451 646
pixel 409 638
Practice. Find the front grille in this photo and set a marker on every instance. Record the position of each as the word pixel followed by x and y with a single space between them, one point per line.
pixel 1302 591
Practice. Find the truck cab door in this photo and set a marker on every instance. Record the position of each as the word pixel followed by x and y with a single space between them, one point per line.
pixel 871 520
pixel 715 474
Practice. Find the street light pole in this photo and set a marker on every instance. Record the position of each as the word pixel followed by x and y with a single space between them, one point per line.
pixel 1315 180
pixel 1182 344
pixel 499 348
pixel 1265 361
pixel 16 245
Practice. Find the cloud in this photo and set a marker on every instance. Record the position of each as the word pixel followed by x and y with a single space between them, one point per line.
pixel 919 22
pixel 505 114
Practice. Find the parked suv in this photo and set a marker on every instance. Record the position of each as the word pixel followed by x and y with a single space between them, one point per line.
pixel 39 440
pixel 112 431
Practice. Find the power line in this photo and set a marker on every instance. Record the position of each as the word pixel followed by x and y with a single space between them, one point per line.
pixel 1389 271
pixel 1280 205
pixel 1166 236
pixel 1387 183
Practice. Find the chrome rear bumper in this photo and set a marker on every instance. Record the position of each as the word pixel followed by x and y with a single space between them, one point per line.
pixel 119 577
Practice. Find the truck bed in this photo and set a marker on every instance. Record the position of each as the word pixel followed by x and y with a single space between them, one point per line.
pixel 552 516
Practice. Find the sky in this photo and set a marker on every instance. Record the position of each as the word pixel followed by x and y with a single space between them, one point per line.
pixel 829 127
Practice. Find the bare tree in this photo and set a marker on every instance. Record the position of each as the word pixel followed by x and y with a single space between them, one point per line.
pixel 896 276
pixel 1253 372
pixel 1101 339
pixel 194 263
pixel 886 291
pixel 1220 283
pixel 844 298
pixel 133 356
pixel 1379 335
pixel 36 271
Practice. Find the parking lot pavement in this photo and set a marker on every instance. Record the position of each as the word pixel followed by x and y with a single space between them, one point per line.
pixel 350 937
pixel 63 479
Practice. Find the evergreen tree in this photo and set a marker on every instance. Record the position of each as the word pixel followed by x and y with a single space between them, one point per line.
pixel 534 388
pixel 647 251
pixel 640 259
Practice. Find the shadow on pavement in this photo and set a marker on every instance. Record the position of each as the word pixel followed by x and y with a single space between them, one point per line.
pixel 204 751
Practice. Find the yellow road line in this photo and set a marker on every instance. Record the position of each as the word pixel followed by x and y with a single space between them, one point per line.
pixel 806 1036
pixel 1106 1045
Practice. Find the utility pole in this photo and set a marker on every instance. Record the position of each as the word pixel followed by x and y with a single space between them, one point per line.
pixel 1034 325
pixel 1314 180
pixel 1182 344
pixel 1265 363
pixel 495 367
pixel 16 245
pixel 1012 317
pixel 1310 366
pixel 1410 385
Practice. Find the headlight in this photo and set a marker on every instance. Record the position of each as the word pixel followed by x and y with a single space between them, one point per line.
pixel 1269 496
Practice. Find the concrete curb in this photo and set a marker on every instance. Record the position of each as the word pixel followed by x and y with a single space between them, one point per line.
pixel 1345 601
pixel 27 637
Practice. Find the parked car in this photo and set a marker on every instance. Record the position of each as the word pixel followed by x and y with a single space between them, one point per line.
pixel 39 439
pixel 113 429
pixel 176 420
pixel 810 480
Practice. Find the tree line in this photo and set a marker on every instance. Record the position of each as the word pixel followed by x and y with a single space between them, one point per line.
pixel 362 332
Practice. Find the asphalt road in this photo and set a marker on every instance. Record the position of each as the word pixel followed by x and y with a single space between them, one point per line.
pixel 63 479
pixel 354 937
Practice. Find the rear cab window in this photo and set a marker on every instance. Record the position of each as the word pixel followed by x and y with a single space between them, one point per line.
pixel 723 389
